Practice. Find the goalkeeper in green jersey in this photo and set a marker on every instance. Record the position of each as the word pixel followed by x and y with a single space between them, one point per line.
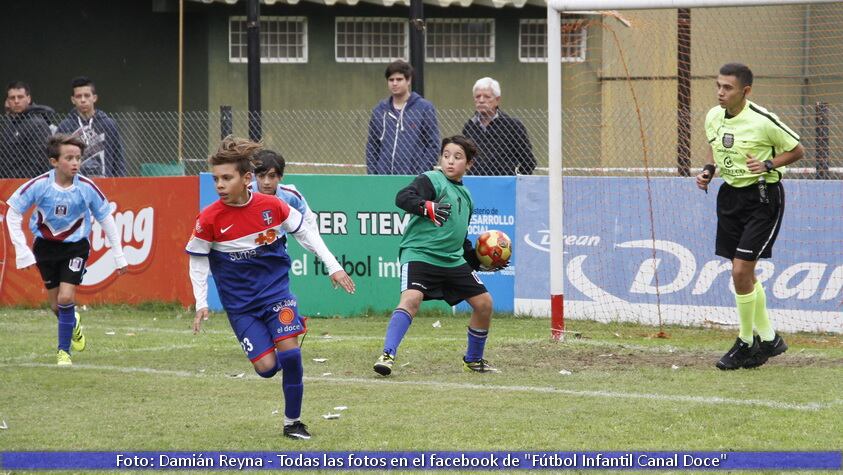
pixel 437 259
pixel 750 147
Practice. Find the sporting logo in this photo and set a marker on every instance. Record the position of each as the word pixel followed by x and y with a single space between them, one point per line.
pixel 728 140
pixel 223 230
pixel 61 210
pixel 267 216
pixel 286 316
pixel 136 230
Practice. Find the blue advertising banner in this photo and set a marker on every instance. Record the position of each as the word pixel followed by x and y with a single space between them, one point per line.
pixel 494 209
pixel 450 460
pixel 618 266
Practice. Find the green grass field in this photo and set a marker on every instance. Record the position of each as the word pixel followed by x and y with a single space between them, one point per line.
pixel 146 382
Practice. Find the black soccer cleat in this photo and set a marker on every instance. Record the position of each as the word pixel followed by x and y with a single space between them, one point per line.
pixel 383 366
pixel 740 354
pixel 296 430
pixel 775 347
pixel 767 350
pixel 479 366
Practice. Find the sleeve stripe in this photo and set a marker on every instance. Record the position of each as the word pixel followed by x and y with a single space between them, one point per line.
pixel 295 192
pixel 712 140
pixel 773 120
pixel 94 186
pixel 299 226
pixel 32 182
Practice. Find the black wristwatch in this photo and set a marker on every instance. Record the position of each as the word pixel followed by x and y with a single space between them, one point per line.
pixel 769 165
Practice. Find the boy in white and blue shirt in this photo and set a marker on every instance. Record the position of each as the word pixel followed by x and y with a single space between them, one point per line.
pixel 64 203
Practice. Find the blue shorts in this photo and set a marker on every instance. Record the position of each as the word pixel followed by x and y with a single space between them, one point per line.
pixel 260 330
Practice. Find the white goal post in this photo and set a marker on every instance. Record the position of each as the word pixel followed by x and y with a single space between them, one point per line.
pixel 554 97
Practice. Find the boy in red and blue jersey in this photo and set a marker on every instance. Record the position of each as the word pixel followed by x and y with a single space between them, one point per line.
pixel 239 240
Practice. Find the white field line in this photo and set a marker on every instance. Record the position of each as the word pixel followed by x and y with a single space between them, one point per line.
pixel 34 356
pixel 438 385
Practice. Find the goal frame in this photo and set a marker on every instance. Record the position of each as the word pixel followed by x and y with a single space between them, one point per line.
pixel 554 119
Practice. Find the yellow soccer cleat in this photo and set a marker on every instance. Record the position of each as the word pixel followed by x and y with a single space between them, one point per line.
pixel 78 343
pixel 63 358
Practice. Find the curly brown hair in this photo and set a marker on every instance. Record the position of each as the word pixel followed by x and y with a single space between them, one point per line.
pixel 237 151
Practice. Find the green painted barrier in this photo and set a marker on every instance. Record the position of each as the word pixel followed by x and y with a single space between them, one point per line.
pixel 362 227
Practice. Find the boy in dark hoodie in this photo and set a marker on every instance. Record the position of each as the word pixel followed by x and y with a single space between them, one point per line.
pixel 104 154
pixel 23 134
pixel 403 131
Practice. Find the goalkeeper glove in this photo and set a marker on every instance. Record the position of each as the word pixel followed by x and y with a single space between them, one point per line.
pixel 436 211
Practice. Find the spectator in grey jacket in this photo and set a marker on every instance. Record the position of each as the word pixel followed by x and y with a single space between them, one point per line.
pixel 503 144
pixel 23 134
pixel 104 154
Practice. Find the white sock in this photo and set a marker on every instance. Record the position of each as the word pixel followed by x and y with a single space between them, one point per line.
pixel 289 422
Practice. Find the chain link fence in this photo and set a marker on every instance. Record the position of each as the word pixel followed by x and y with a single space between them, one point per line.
pixel 334 142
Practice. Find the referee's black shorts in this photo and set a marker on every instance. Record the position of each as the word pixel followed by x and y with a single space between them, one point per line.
pixel 747 227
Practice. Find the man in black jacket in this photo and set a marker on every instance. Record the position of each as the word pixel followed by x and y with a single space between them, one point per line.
pixel 23 135
pixel 502 140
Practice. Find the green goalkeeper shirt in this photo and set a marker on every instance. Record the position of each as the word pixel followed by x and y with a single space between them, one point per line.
pixel 754 130
pixel 423 241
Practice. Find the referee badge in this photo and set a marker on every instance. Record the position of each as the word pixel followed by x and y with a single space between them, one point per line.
pixel 728 140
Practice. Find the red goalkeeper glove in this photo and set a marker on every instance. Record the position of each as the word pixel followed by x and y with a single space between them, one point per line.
pixel 436 211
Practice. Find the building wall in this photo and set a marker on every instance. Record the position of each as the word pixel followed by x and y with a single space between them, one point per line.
pixel 771 40
pixel 323 84
pixel 130 51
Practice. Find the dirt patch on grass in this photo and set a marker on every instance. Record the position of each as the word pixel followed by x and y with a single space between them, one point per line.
pixel 621 358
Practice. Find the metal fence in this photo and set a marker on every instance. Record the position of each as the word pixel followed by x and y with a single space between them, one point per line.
pixel 334 142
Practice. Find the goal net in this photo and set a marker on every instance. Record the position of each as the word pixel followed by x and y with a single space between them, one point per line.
pixel 638 236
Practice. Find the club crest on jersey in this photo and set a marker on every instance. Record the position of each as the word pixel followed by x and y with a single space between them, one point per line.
pixel 75 264
pixel 61 210
pixel 267 216
pixel 728 140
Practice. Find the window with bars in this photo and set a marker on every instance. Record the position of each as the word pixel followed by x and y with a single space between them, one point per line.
pixel 283 39
pixel 463 40
pixel 532 41
pixel 371 40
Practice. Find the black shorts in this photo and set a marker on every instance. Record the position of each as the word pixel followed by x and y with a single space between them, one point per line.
pixel 451 284
pixel 61 261
pixel 747 227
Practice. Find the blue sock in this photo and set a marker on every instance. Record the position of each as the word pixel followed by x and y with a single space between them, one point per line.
pixel 67 320
pixel 476 344
pixel 293 372
pixel 398 325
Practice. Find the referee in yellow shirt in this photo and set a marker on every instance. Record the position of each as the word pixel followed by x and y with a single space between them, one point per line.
pixel 750 147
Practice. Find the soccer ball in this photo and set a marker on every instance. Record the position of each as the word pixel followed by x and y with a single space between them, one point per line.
pixel 493 249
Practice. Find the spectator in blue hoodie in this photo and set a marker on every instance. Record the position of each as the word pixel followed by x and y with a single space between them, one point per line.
pixel 403 132
pixel 104 154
